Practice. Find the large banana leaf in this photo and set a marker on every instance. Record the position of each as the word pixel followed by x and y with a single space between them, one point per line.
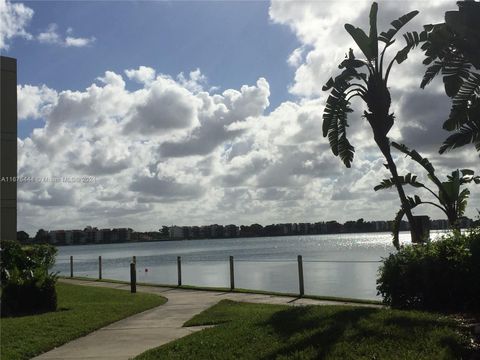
pixel 408 179
pixel 373 30
pixel 361 39
pixel 454 47
pixel 387 37
pixel 427 165
pixel 413 39
pixel 430 74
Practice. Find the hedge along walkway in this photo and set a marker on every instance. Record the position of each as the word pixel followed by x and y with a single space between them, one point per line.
pixel 132 336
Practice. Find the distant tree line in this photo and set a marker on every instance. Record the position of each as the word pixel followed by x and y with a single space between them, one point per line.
pixel 92 235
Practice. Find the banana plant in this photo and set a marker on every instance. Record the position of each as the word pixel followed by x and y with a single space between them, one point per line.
pixel 452 48
pixel 367 79
pixel 449 197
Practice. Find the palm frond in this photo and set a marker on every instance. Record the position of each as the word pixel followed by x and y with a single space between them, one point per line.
pixel 424 162
pixel 373 30
pixel 413 39
pixel 408 179
pixel 338 106
pixel 469 133
pixel 453 47
pixel 462 201
pixel 455 72
pixel 430 73
pixel 397 24
pixel 361 39
pixel 335 123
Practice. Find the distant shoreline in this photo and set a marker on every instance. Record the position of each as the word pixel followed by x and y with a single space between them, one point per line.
pixel 232 238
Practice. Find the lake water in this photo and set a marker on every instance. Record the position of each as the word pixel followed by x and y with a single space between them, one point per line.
pixel 342 265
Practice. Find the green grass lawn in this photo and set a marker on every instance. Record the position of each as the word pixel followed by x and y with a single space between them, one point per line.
pixel 81 310
pixel 257 331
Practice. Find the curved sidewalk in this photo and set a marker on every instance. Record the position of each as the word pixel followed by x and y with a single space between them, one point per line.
pixel 132 336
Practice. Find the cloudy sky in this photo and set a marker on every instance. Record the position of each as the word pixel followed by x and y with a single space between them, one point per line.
pixel 195 113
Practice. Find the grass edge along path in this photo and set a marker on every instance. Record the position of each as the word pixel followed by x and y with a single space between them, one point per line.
pixel 81 310
pixel 236 290
pixel 259 331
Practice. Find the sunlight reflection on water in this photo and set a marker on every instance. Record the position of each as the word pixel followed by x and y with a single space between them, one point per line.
pixel 260 263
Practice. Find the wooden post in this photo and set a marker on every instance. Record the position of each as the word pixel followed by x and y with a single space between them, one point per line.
pixel 99 268
pixel 71 266
pixel 300 275
pixel 232 274
pixel 133 278
pixel 179 269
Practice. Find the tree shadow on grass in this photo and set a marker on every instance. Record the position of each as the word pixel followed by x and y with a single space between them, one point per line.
pixel 410 322
pixel 406 331
pixel 32 313
pixel 317 330
pixel 312 334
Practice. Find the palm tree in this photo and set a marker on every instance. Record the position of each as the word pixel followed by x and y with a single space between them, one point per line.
pixel 367 79
pixel 453 49
pixel 451 199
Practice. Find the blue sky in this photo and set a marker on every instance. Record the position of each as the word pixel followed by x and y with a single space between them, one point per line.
pixel 233 43
pixel 238 141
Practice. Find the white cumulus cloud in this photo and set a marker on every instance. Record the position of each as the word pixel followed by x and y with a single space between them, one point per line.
pixel 34 101
pixel 14 19
pixel 52 36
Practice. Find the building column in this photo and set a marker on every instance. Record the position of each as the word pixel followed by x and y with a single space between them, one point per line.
pixel 8 149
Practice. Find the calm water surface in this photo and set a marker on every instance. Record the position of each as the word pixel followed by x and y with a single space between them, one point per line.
pixel 334 265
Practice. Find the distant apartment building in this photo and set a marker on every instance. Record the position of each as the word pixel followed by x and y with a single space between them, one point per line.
pixel 186 232
pixel 56 237
pixel 121 235
pixel 106 235
pixel 195 232
pixel 205 232
pixel 52 237
pixel 98 237
pixel 286 229
pixel 139 236
pixel 381 226
pixel 89 234
pixel 69 237
pixel 175 232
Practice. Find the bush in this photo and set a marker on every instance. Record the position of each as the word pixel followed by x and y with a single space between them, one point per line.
pixel 27 286
pixel 442 275
pixel 32 295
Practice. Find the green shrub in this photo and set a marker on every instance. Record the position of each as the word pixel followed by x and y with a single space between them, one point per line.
pixel 442 275
pixel 27 286
pixel 33 294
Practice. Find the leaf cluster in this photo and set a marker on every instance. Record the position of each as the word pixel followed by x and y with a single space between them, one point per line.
pixel 27 286
pixel 440 275
pixel 367 79
pixel 450 198
pixel 452 49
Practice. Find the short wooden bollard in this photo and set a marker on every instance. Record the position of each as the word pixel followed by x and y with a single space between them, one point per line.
pixel 232 274
pixel 179 270
pixel 300 275
pixel 71 266
pixel 99 268
pixel 133 278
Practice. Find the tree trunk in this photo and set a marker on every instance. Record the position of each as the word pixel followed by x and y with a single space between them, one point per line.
pixel 384 145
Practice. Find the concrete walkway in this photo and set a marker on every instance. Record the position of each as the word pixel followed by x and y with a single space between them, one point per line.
pixel 130 337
